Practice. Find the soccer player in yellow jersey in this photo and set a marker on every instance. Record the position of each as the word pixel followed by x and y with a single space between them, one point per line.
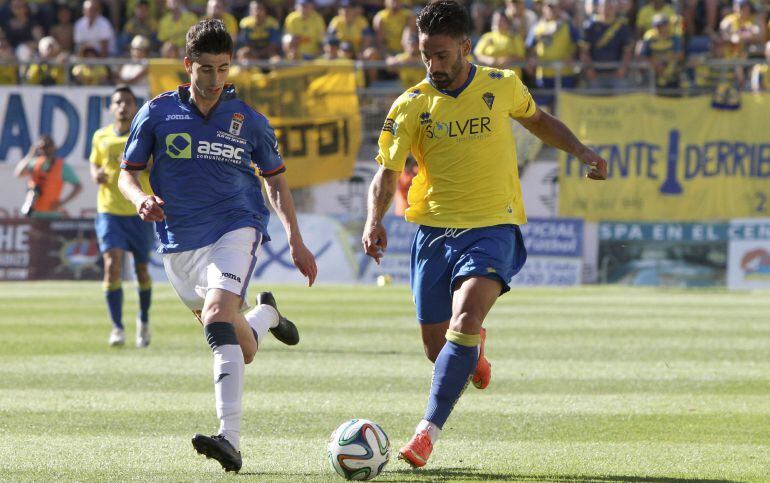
pixel 466 198
pixel 118 228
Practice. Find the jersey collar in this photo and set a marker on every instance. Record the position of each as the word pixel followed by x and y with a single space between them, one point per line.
pixel 456 92
pixel 228 93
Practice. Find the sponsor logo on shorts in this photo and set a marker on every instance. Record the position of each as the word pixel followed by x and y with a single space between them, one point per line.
pixel 231 277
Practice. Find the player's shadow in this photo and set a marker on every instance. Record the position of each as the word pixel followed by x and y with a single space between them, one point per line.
pixel 464 474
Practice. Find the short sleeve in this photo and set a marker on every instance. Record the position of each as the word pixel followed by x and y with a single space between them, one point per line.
pixel 523 104
pixel 396 136
pixel 69 175
pixel 141 141
pixel 96 154
pixel 266 155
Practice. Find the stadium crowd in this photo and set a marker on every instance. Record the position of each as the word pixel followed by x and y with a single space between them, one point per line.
pixel 594 44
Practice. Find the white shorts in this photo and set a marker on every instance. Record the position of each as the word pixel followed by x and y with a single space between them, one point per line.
pixel 226 264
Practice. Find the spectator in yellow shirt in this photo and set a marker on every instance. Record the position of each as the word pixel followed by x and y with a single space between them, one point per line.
pixel 655 7
pixel 216 9
pixel 260 31
pixel 308 27
pixel 408 64
pixel 350 26
pixel 89 74
pixel 739 30
pixel 9 74
pixel 501 47
pixel 48 71
pixel 174 24
pixel 389 24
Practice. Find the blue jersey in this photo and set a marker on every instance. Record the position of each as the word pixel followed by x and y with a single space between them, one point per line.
pixel 205 168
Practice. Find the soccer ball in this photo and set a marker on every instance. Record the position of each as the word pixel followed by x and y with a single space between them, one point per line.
pixel 359 449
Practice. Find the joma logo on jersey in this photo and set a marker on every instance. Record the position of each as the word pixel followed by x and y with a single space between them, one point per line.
pixel 219 149
pixel 457 129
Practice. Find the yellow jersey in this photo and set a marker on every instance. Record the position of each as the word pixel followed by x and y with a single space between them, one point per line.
pixel 352 32
pixel 644 17
pixel 310 31
pixel 392 25
pixel 497 44
pixel 410 74
pixel 260 35
pixel 553 40
pixel 107 153
pixel 465 150
pixel 760 75
pixel 175 31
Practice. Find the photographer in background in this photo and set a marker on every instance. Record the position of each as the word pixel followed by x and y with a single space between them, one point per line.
pixel 47 176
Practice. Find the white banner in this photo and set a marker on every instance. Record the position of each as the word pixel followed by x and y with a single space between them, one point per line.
pixel 70 115
pixel 748 261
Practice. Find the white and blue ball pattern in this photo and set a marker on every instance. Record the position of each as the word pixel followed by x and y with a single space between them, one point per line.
pixel 359 449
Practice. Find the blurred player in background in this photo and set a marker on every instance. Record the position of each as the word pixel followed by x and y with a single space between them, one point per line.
pixel 118 227
pixel 208 148
pixel 466 198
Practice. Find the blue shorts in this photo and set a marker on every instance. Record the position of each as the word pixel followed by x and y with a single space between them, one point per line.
pixel 128 233
pixel 440 256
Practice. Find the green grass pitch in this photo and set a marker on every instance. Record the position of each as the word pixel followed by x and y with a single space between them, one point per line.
pixel 592 384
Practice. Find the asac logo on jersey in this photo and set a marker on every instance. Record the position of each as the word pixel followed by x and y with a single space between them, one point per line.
pixel 219 151
pixel 236 123
pixel 179 145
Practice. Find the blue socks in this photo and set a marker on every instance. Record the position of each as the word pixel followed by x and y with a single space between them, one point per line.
pixel 145 297
pixel 452 371
pixel 114 298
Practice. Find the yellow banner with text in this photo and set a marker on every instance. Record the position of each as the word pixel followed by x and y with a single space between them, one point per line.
pixel 668 159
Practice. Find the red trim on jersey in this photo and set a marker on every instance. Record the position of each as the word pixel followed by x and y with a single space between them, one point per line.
pixel 273 171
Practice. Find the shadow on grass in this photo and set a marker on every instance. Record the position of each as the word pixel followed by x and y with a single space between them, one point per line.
pixel 465 474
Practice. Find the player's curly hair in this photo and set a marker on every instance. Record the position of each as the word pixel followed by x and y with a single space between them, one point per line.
pixel 444 17
pixel 209 36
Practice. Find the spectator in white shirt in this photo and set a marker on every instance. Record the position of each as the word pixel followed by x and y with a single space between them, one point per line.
pixel 94 30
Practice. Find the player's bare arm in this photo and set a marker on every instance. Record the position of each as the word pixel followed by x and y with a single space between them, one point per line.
pixel 149 207
pixel 381 193
pixel 280 198
pixel 555 133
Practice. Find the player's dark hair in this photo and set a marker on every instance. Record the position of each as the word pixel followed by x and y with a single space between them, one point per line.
pixel 444 17
pixel 124 88
pixel 209 36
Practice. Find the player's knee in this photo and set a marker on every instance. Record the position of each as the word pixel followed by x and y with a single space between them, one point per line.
pixel 142 273
pixel 466 323
pixel 215 313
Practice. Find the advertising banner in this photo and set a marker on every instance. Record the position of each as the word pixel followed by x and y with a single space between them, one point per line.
pixel 668 159
pixel 70 114
pixel 663 254
pixel 312 107
pixel 554 252
pixel 49 250
pixel 748 265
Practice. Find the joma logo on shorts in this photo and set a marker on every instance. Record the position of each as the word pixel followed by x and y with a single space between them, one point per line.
pixel 232 277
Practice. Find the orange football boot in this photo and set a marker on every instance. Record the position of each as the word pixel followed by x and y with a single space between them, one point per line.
pixel 483 373
pixel 417 451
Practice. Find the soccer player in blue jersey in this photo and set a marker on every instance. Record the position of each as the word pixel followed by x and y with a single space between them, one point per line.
pixel 466 198
pixel 209 150
pixel 118 227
